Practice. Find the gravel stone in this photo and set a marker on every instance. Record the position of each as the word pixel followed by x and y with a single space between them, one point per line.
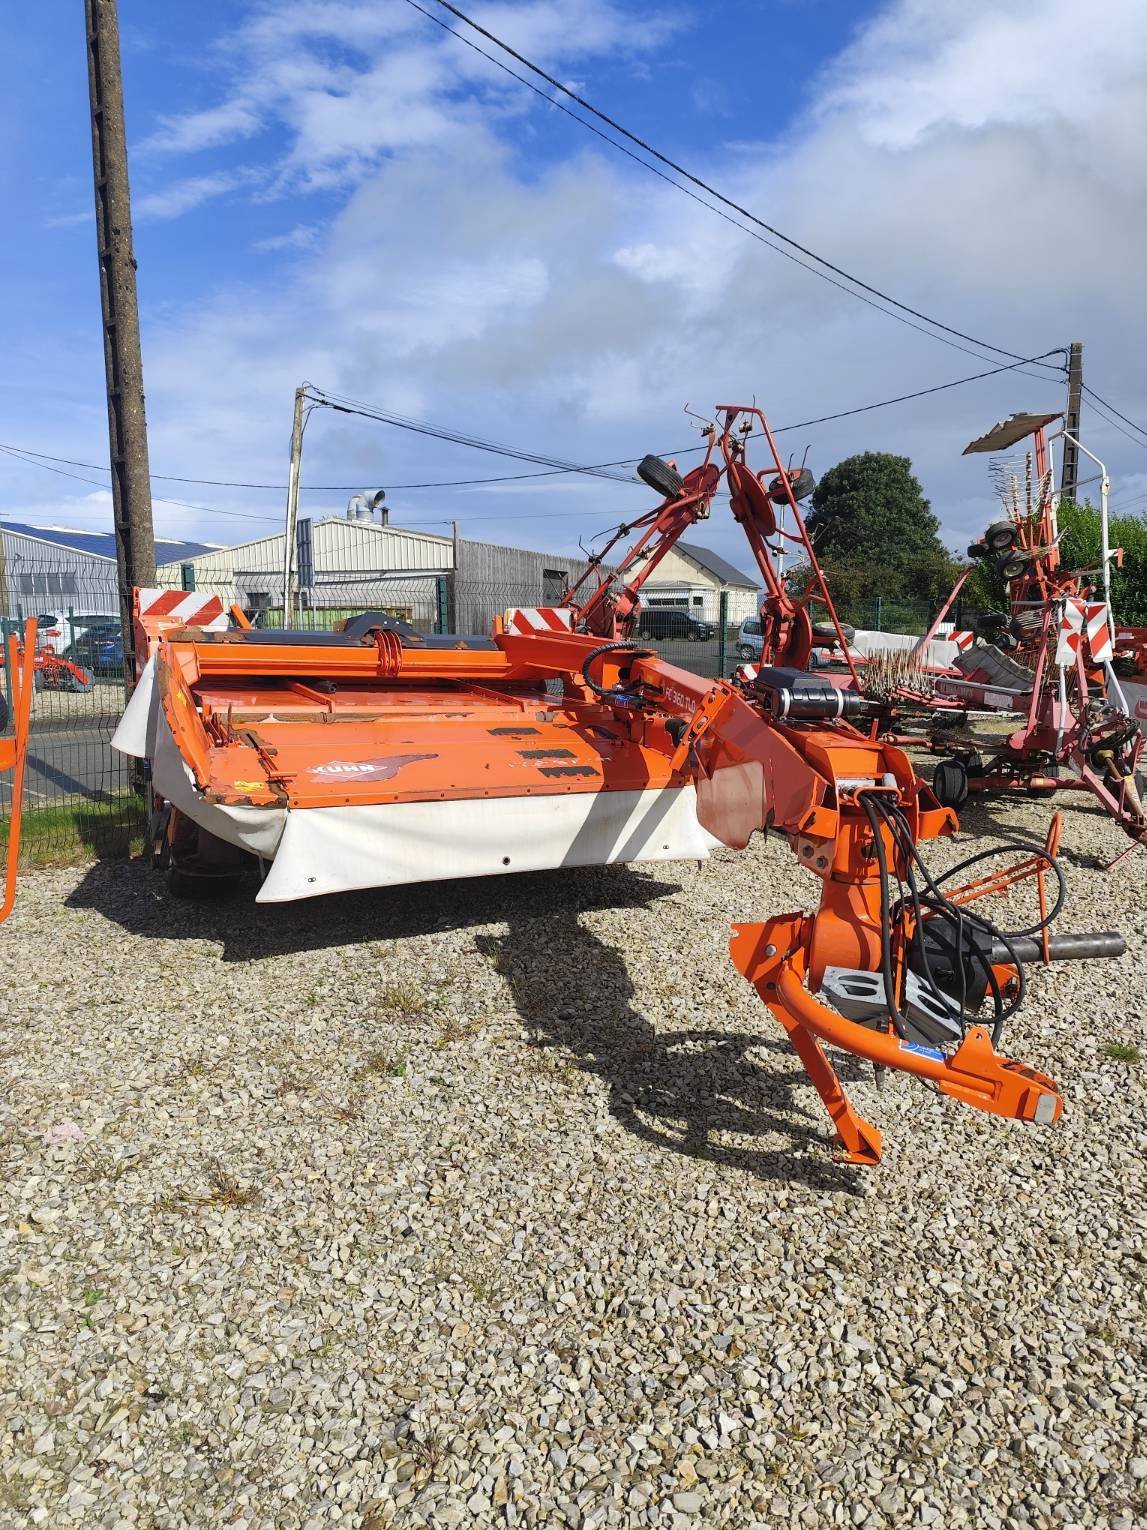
pixel 507 1204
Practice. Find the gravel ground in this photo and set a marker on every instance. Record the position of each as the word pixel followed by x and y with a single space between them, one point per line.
pixel 506 1203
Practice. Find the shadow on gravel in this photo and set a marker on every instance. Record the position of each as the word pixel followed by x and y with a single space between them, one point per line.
pixel 136 898
pixel 680 1090
pixel 988 819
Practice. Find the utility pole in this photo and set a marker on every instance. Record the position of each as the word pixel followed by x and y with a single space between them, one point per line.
pixel 1069 472
pixel 297 425
pixel 123 363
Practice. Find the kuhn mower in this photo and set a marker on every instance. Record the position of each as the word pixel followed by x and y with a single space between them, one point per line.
pixel 378 755
pixel 1050 657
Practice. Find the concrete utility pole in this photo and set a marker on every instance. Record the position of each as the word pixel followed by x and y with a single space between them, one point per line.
pixel 292 526
pixel 1069 472
pixel 127 427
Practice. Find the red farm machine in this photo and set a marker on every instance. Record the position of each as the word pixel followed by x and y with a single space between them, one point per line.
pixel 377 755
pixel 1054 657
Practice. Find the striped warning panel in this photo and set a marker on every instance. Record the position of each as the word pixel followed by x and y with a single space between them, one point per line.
pixel 526 619
pixel 962 640
pixel 180 608
pixel 1082 619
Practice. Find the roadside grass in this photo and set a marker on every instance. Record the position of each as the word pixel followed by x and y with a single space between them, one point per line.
pixel 105 828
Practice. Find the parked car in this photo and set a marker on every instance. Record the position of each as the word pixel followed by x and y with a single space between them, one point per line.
pixel 99 649
pixel 58 630
pixel 749 640
pixel 669 622
pixel 750 643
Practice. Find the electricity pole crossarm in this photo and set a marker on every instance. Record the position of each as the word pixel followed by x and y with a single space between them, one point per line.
pixel 123 364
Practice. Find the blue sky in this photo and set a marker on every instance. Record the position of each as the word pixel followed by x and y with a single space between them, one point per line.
pixel 342 192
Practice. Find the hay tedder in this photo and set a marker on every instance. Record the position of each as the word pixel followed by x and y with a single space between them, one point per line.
pixel 1054 657
pixel 377 755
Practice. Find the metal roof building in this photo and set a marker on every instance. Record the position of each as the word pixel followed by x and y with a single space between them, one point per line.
pixel 61 568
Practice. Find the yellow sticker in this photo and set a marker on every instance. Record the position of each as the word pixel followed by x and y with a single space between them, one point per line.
pixel 248 786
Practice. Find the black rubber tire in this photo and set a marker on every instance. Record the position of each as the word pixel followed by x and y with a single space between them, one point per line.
pixel 660 477
pixel 1039 792
pixel 802 483
pixel 977 550
pixel 1000 537
pixel 81 684
pixel 745 653
pixel 1013 565
pixel 825 632
pixel 201 887
pixel 992 621
pixel 950 783
pixel 3 711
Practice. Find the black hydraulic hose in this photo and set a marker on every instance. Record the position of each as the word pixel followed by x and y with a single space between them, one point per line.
pixel 943 908
pixel 616 693
pixel 1027 849
pixel 898 1020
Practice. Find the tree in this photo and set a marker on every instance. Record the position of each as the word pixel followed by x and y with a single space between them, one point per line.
pixel 875 532
pixel 1081 547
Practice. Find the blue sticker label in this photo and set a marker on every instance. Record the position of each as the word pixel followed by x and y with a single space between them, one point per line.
pixel 921 1050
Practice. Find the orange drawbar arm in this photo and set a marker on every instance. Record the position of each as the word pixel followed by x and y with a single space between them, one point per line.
pixel 14 750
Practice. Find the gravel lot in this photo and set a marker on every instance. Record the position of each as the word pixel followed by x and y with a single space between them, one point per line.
pixel 506 1203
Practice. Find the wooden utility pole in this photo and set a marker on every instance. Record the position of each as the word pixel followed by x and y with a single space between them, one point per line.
pixel 291 529
pixel 1069 472
pixel 127 427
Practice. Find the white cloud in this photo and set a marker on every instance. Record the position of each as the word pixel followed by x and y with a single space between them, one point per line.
pixel 343 85
pixel 180 197
pixel 303 236
pixel 577 306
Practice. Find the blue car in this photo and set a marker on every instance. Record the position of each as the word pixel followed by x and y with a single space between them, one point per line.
pixel 99 649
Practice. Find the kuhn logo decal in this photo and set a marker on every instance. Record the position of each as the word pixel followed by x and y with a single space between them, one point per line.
pixel 367 770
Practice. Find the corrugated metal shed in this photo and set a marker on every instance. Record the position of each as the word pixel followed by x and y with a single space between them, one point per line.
pixel 57 569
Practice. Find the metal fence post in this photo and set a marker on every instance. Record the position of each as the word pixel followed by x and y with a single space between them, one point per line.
pixel 722 632
pixel 879 604
pixel 441 618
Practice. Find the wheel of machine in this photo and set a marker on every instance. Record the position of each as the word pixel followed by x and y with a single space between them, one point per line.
pixel 1014 565
pixel 801 483
pixel 79 680
pixel 825 632
pixel 950 783
pixel 660 477
pixel 201 886
pixel 1000 536
pixel 992 621
pixel 744 652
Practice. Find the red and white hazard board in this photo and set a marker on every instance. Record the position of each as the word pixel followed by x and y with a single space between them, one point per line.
pixel 1082 619
pixel 962 640
pixel 160 611
pixel 526 619
pixel 181 608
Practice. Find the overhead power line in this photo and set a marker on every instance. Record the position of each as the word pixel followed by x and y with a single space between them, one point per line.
pixel 47 461
pixel 821 267
pixel 1101 404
